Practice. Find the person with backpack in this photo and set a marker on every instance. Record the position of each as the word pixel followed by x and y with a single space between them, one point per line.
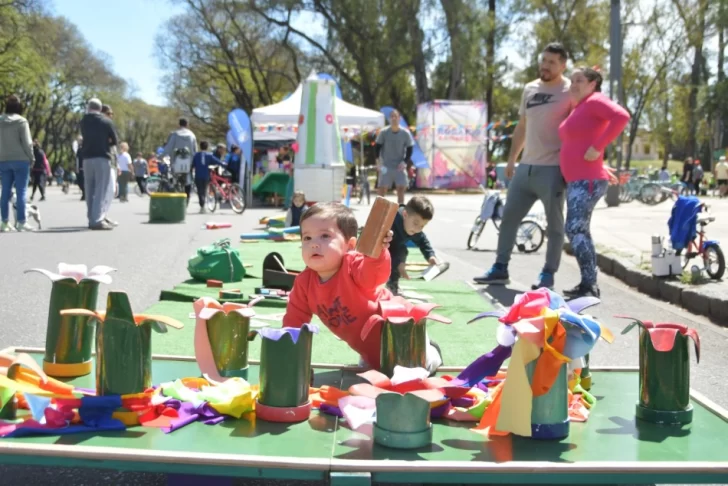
pixel 181 147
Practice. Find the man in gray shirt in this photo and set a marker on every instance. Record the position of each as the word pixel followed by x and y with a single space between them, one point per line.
pixel 394 147
pixel 99 139
pixel 544 105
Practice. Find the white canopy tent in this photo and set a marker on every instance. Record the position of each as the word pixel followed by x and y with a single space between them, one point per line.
pixel 286 113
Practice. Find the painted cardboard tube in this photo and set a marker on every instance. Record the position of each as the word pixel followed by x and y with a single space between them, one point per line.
pixel 550 412
pixel 378 224
pixel 285 370
pixel 403 345
pixel 70 339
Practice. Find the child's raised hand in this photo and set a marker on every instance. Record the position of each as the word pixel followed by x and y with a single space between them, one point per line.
pixel 387 239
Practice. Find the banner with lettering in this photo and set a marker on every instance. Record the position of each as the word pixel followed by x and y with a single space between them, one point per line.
pixel 453 137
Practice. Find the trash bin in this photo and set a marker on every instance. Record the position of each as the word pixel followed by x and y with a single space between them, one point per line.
pixel 167 207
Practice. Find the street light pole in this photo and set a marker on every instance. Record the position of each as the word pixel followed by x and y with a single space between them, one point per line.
pixel 615 87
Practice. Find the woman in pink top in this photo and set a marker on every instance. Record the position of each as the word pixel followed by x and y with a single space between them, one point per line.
pixel 595 122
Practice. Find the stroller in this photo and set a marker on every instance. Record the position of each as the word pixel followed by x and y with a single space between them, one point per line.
pixel 687 235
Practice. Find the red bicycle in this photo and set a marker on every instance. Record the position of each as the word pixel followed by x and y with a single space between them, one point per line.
pixel 709 250
pixel 222 190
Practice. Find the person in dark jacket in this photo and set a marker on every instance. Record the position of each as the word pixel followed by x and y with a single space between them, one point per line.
pixel 99 136
pixel 408 225
pixel 201 163
pixel 39 171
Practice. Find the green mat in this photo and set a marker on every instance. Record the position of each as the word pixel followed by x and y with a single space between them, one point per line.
pixel 460 342
pixel 251 254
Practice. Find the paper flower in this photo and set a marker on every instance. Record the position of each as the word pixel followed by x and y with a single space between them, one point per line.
pixel 663 335
pixel 234 354
pixel 276 333
pixel 401 311
pixel 408 388
pixel 78 273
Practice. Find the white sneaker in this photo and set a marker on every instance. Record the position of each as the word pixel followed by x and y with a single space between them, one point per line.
pixel 24 227
pixel 6 228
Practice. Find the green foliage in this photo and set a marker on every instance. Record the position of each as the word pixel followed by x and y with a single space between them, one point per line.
pixel 47 62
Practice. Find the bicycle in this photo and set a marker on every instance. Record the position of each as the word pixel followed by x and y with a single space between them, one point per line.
pixel 152 184
pixel 709 250
pixel 222 190
pixel 531 233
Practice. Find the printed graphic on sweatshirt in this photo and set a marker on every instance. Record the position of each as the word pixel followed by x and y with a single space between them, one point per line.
pixel 336 315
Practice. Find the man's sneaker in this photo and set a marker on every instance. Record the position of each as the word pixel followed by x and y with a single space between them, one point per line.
pixel 6 228
pixel 582 290
pixel 497 275
pixel 101 226
pixel 24 227
pixel 111 222
pixel 545 279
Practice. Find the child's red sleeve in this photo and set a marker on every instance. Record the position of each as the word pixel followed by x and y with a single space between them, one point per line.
pixel 298 311
pixel 370 273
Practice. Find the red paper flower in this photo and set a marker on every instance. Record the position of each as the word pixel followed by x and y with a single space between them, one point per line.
pixel 401 311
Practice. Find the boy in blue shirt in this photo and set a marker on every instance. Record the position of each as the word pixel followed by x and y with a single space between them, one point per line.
pixel 201 163
pixel 408 225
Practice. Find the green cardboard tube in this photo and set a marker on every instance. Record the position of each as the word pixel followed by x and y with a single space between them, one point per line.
pixel 123 350
pixel 285 370
pixel 403 345
pixel 228 335
pixel 664 382
pixel 403 421
pixel 550 412
pixel 69 339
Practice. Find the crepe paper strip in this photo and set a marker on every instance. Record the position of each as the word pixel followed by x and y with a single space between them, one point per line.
pixel 129 419
pixel 24 381
pixel 358 410
pixel 189 413
pixel 77 273
pixel 486 365
pixel 275 334
pixel 549 363
pixel 404 375
pixel 37 405
pixel 205 309
pixel 517 394
pixel 10 361
pixel 581 303
pixel 496 314
pixel 663 335
pixel 331 410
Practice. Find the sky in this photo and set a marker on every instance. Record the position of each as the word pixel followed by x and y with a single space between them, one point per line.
pixel 125 30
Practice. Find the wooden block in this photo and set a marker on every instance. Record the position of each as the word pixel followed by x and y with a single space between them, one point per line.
pixel 214 283
pixel 230 294
pixel 378 224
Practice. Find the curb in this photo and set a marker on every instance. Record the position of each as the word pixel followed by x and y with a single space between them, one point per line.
pixel 698 300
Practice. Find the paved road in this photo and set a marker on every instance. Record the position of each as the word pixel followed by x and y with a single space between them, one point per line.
pixel 153 257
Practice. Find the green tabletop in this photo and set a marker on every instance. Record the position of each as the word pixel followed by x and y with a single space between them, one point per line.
pixel 610 448
pixel 272 183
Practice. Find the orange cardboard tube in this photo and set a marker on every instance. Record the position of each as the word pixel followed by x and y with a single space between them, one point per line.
pixel 378 224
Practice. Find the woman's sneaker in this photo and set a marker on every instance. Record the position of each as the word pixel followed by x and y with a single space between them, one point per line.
pixel 582 290
pixel 6 228
pixel 497 275
pixel 24 227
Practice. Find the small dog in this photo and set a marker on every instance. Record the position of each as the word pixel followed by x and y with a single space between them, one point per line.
pixel 31 211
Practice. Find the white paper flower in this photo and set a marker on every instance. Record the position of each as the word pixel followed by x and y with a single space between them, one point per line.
pixel 78 273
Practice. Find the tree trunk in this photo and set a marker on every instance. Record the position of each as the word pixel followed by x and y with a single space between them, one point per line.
pixel 410 9
pixel 490 60
pixel 453 19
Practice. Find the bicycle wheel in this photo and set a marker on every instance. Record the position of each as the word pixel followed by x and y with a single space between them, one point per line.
pixel 235 196
pixel 714 261
pixel 475 232
pixel 211 199
pixel 530 236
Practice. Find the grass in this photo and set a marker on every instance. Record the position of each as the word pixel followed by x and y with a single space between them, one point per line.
pixel 460 343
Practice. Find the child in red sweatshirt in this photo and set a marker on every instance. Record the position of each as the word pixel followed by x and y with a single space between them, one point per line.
pixel 339 285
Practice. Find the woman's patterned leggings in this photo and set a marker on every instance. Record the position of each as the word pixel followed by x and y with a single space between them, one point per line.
pixel 581 198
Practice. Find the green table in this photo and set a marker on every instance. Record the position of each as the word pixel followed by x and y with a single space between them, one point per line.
pixel 272 183
pixel 610 448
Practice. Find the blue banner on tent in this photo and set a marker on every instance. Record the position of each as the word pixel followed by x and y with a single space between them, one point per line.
pixel 418 158
pixel 242 132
